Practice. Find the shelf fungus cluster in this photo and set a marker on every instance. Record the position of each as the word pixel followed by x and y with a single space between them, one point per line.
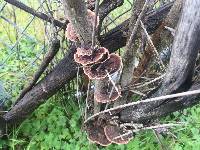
pixel 99 65
pixel 106 134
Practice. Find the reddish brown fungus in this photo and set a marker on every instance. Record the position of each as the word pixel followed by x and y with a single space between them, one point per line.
pixel 101 70
pixel 116 135
pixel 96 134
pixel 104 93
pixel 70 33
pixel 80 51
pixel 91 17
pixel 97 55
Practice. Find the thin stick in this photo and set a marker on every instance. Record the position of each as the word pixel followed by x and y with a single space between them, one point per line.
pixel 149 128
pixel 33 12
pixel 172 31
pixel 146 101
pixel 151 44
pixel 86 101
pixel 77 90
pixel 138 92
pixel 113 83
pixel 95 22
pixel 150 82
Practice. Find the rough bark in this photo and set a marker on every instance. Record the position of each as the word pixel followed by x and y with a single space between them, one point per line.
pixel 76 12
pixel 66 69
pixel 157 38
pixel 180 71
pixel 129 56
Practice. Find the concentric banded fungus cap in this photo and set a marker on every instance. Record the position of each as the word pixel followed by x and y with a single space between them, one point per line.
pixel 96 134
pixel 103 93
pixel 101 70
pixel 70 33
pixel 97 55
pixel 112 132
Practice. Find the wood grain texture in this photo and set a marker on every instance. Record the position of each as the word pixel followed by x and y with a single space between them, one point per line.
pixel 180 70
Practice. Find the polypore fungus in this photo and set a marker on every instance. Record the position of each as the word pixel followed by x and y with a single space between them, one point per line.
pixel 91 17
pixel 101 70
pixel 104 93
pixel 96 134
pixel 71 33
pixel 116 135
pixel 94 56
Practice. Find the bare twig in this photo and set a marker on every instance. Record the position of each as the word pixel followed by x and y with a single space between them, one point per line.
pixel 87 98
pixel 35 13
pixel 113 83
pixel 95 22
pixel 146 101
pixel 150 128
pixel 159 140
pixel 133 33
pixel 150 82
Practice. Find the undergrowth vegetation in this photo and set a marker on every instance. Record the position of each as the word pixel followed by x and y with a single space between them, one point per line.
pixel 57 124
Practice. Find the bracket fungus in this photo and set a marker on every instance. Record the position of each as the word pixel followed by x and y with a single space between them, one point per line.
pixel 91 17
pixel 71 34
pixel 101 70
pixel 96 134
pixel 116 134
pixel 104 93
pixel 80 51
pixel 88 56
